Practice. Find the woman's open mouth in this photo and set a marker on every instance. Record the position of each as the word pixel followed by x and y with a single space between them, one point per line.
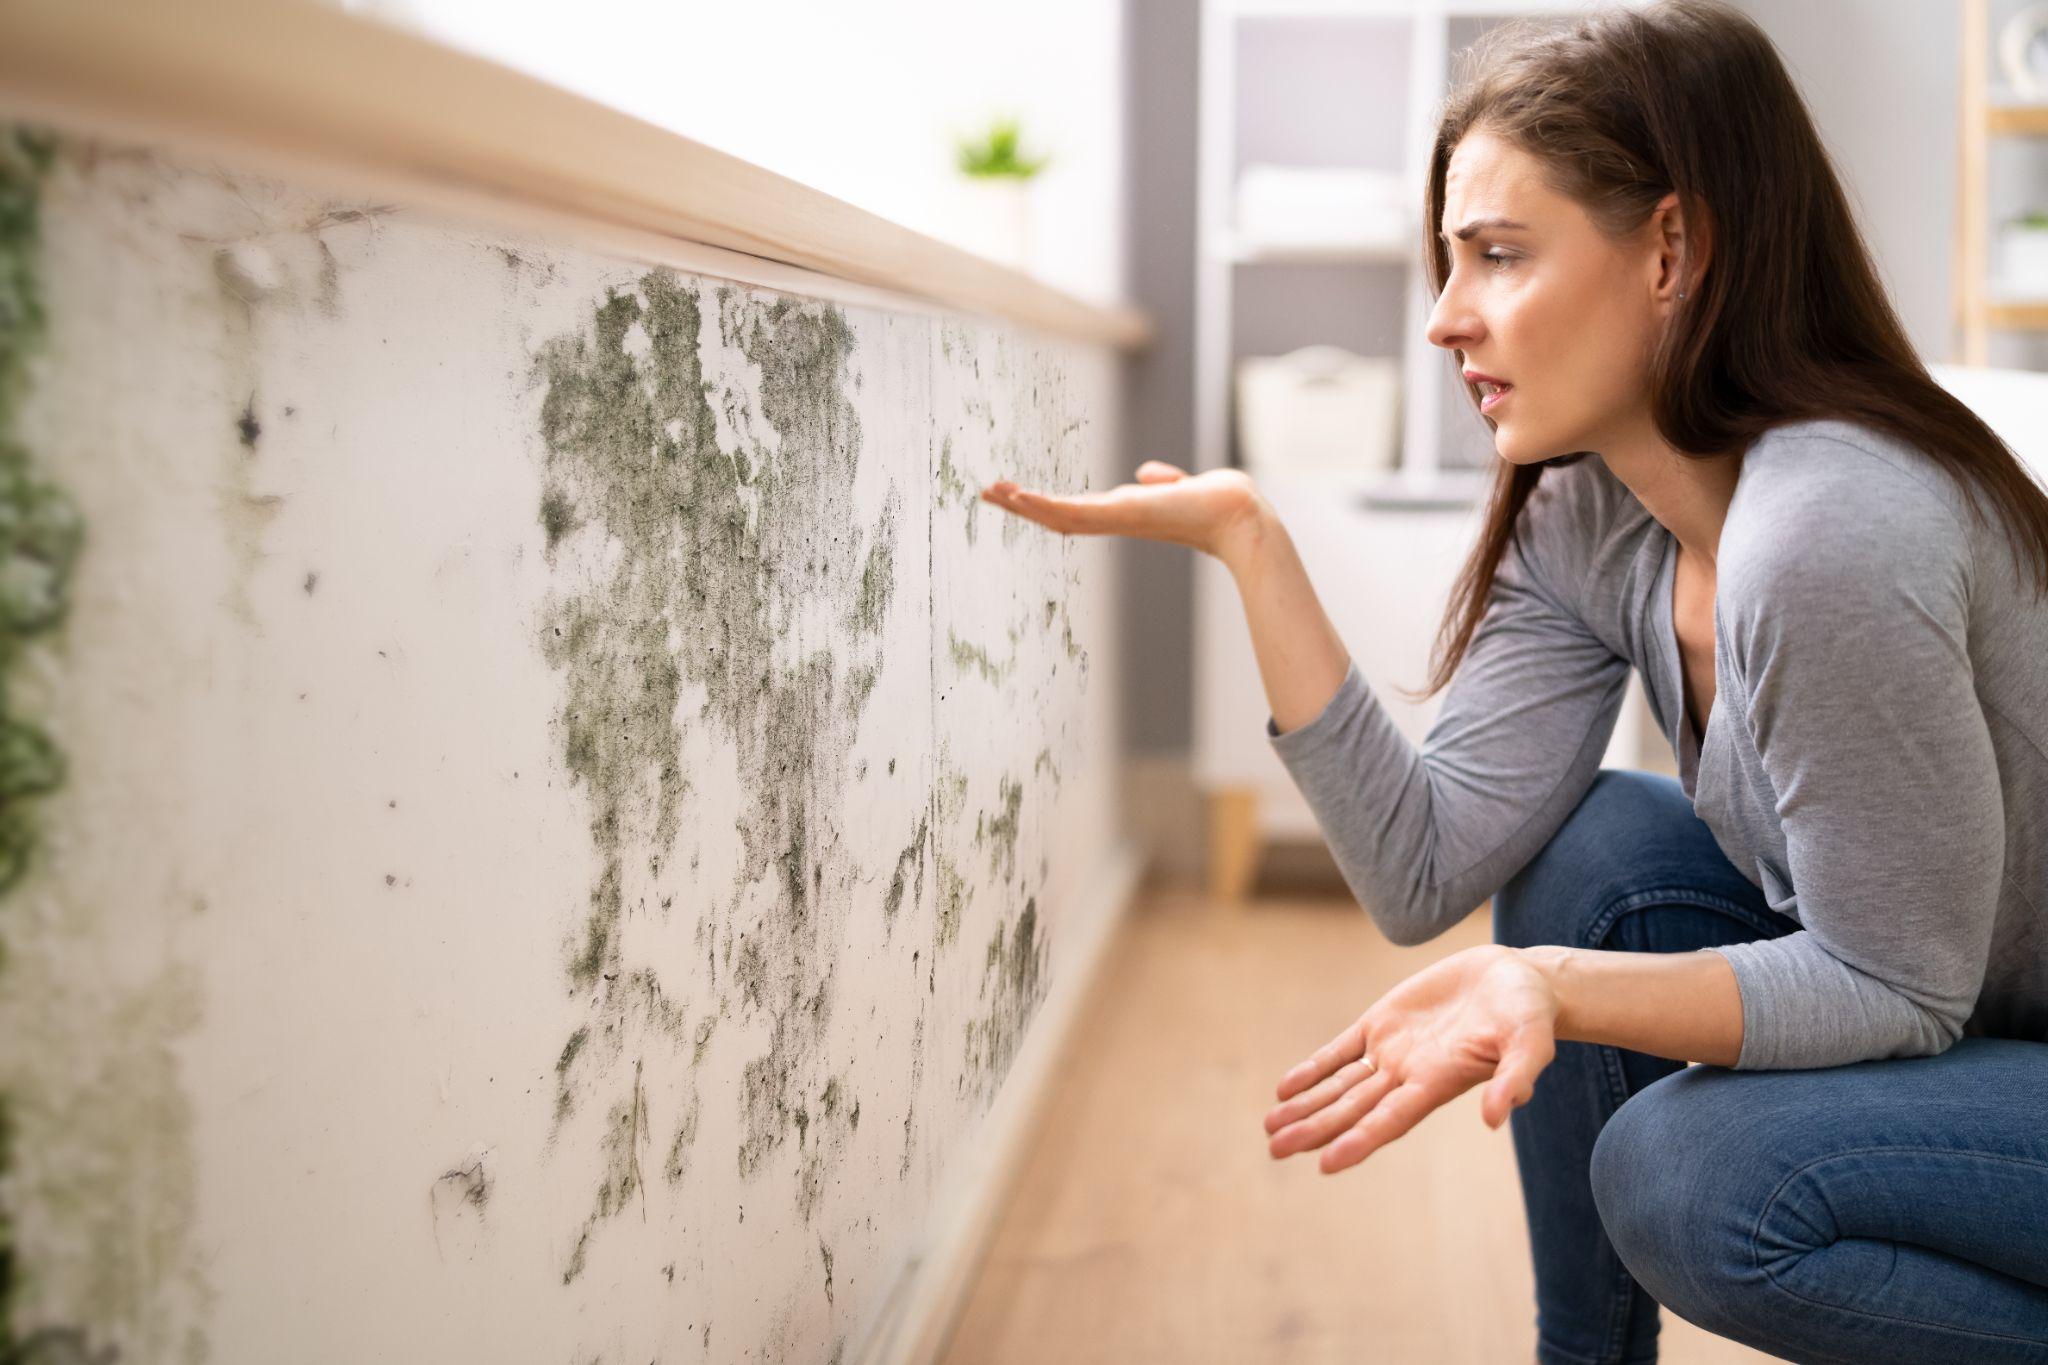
pixel 1491 395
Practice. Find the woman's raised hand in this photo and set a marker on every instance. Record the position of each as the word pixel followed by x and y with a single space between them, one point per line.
pixel 1216 511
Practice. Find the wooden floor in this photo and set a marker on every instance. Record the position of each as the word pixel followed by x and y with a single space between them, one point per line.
pixel 1150 1224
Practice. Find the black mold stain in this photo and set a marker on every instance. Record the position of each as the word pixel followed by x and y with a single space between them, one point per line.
pixel 61 1346
pixel 625 1132
pixel 329 285
pixel 678 1164
pixel 1013 976
pixel 711 549
pixel 564 1099
pixel 1000 831
pixel 948 803
pixel 877 574
pixel 246 426
pixel 916 1082
pixel 912 857
pixel 557 516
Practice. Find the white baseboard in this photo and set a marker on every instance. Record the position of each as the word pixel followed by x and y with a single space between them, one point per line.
pixel 918 1319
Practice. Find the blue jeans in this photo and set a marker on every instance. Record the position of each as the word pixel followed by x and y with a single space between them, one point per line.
pixel 1888 1210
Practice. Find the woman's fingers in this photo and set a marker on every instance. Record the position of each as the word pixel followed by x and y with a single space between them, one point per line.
pixel 1159 471
pixel 1390 1118
pixel 1332 1119
pixel 1347 1046
pixel 1531 1049
pixel 1085 513
pixel 1306 1103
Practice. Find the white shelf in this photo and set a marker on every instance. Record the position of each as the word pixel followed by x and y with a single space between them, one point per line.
pixel 1245 251
pixel 1384 545
pixel 2005 295
pixel 1440 488
pixel 1400 9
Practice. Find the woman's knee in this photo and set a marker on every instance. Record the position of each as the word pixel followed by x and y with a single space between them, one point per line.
pixel 1673 1192
pixel 1613 839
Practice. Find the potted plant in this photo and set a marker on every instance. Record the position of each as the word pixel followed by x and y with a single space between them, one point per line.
pixel 998 182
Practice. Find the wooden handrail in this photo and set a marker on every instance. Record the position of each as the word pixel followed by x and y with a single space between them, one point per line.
pixel 322 91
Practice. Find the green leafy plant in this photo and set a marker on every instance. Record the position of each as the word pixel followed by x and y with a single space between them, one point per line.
pixel 2032 218
pixel 997 153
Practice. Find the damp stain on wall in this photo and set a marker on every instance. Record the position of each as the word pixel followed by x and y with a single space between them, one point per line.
pixel 682 559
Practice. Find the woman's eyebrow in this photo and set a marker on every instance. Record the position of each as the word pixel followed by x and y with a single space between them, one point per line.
pixel 1500 224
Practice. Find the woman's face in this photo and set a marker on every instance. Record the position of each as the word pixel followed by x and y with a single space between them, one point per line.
pixel 1565 316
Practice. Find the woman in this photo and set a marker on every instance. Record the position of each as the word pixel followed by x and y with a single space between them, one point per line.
pixel 1721 465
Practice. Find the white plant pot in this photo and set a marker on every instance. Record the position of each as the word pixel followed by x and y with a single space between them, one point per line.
pixel 2023 260
pixel 995 219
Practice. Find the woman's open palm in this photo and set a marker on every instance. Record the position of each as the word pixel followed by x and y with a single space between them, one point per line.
pixel 1209 511
pixel 1481 1015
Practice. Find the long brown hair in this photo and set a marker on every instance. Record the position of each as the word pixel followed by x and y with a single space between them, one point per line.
pixel 1785 318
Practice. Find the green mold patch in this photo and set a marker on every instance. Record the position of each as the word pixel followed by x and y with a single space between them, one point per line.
pixel 41 534
pixel 909 863
pixel 916 1084
pixel 877 575
pixel 625 1132
pixel 949 802
pixel 700 455
pixel 635 1009
pixel 1013 985
pixel 999 831
pixel 41 530
pixel 677 1166
pixel 954 491
pixel 972 656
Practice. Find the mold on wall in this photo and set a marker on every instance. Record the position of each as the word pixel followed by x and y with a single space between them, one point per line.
pixel 41 536
pixel 575 814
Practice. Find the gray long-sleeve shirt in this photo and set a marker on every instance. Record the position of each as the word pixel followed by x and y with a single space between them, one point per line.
pixel 1875 761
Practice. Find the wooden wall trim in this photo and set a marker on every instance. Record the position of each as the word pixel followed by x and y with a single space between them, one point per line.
pixel 301 86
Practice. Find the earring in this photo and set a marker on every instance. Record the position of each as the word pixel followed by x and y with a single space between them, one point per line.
pixel 1681 293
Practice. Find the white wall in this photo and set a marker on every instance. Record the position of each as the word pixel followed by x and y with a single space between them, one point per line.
pixel 859 100
pixel 573 807
pixel 1880 77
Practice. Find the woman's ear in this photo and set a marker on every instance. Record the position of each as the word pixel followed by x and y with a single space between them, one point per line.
pixel 1681 237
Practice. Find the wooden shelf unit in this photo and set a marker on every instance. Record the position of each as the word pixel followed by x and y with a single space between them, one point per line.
pixel 1981 307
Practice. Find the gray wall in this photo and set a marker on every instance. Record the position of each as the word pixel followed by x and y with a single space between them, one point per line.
pixel 1157 601
pixel 1879 75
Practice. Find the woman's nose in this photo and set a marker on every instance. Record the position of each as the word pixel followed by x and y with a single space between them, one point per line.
pixel 1452 325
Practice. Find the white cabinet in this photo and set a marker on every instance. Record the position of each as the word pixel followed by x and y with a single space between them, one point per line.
pixel 1334 83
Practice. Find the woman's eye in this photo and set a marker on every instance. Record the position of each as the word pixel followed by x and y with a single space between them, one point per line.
pixel 1497 257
